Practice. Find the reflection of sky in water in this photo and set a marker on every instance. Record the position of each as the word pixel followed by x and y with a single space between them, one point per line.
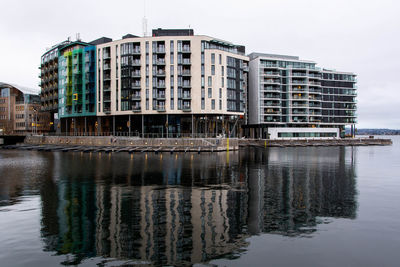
pixel 179 208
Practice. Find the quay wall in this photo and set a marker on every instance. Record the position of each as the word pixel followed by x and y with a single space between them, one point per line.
pixel 315 142
pixel 219 144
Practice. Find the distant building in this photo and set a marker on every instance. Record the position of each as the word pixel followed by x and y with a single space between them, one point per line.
pixel 19 111
pixel 292 98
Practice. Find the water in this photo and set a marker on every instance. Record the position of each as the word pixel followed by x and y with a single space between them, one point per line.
pixel 325 206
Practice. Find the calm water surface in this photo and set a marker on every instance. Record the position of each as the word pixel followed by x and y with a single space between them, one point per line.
pixel 327 206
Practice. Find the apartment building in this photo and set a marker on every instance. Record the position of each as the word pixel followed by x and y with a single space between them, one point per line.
pixel 19 111
pixel 289 97
pixel 172 84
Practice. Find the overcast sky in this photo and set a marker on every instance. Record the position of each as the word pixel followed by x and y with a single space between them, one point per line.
pixel 360 36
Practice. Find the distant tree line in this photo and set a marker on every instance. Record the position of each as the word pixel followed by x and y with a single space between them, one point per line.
pixel 375 131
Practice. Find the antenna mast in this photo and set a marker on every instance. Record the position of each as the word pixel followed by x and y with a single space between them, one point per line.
pixel 144 20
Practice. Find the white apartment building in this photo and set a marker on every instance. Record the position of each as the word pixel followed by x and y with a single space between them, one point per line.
pixel 293 98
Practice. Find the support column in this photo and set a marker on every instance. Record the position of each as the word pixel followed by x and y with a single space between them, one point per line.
pixel 129 125
pixel 216 126
pixel 98 125
pixel 142 126
pixel 114 125
pixel 74 123
pixel 192 127
pixel 166 126
pixel 205 126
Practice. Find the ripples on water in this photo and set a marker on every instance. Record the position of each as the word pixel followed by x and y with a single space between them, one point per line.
pixel 177 209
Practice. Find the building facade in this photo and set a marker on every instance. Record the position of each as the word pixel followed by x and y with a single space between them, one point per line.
pixel 20 111
pixel 289 97
pixel 172 84
pixel 177 84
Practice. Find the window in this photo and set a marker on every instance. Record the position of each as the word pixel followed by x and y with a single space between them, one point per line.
pixel 212 69
pixel 213 104
pixel 212 58
pixel 220 59
pixel 222 81
pixel 209 92
pixel 209 81
pixel 220 104
pixel 222 71
pixel 172 46
pixel 220 92
pixel 203 104
pixel 172 58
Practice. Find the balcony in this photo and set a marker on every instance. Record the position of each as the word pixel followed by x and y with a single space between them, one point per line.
pixel 186 97
pixel 186 85
pixel 271 73
pixel 160 85
pixel 160 62
pixel 135 63
pixel 269 66
pixel 160 74
pixel 299 97
pixel 136 97
pixel 186 73
pixel 299 74
pixel 314 83
pixel 299 104
pixel 271 96
pixel 136 108
pixel 298 82
pixel 271 104
pixel 160 96
pixel 160 108
pixel 106 89
pixel 186 49
pixel 271 81
pixel 136 74
pixel 272 89
pixel 136 52
pixel 186 108
pixel 272 111
pixel 186 62
pixel 160 50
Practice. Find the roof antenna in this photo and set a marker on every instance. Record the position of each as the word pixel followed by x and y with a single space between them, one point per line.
pixel 144 20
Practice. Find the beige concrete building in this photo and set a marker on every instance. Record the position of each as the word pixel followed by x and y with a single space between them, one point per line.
pixel 172 84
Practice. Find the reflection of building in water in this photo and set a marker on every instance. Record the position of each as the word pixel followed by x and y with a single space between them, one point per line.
pixel 182 209
pixel 168 225
pixel 163 224
pixel 296 187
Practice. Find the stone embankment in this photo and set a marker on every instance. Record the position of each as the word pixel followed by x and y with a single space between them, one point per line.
pixel 315 142
pixel 110 143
